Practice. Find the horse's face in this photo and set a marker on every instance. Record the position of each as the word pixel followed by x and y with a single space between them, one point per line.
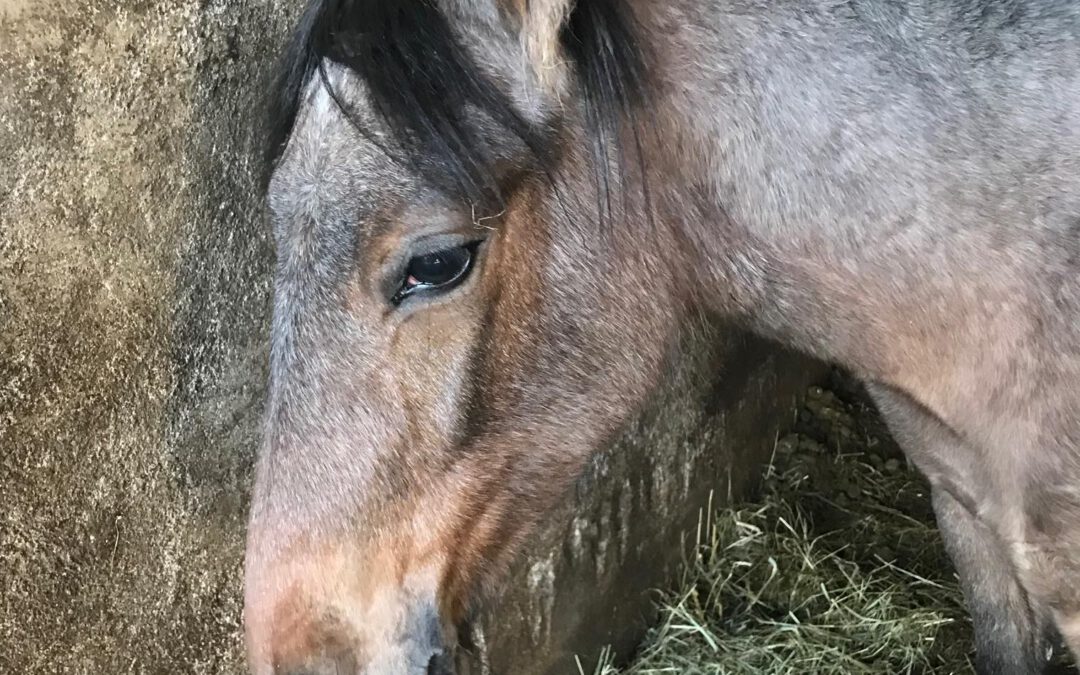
pixel 439 375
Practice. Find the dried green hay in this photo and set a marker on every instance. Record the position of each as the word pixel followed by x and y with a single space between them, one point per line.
pixel 837 568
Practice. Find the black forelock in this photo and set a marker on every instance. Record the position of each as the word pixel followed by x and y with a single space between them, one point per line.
pixel 600 39
pixel 425 86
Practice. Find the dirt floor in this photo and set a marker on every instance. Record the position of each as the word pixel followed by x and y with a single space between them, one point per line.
pixel 837 568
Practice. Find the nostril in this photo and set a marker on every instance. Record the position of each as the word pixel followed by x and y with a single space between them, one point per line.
pixel 440 665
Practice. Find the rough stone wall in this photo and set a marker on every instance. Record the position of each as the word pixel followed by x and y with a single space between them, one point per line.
pixel 134 293
pixel 134 298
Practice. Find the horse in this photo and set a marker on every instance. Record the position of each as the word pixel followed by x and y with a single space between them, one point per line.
pixel 492 217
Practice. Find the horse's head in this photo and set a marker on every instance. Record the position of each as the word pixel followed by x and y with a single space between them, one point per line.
pixel 463 312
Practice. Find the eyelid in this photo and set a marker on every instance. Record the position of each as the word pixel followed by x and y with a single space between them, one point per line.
pixel 393 268
pixel 395 271
pixel 404 294
pixel 435 244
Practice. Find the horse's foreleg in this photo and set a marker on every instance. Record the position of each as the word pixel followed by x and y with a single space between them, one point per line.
pixel 1009 635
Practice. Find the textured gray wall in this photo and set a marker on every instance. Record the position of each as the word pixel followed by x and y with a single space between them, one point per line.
pixel 134 296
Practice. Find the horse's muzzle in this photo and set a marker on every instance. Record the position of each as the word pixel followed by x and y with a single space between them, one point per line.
pixel 317 639
pixel 439 664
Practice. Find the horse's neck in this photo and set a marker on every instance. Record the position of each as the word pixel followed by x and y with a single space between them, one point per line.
pixel 840 201
pixel 750 156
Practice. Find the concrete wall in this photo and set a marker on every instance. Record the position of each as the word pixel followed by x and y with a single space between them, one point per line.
pixel 134 296
pixel 133 299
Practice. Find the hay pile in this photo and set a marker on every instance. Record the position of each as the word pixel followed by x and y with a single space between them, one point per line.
pixel 837 569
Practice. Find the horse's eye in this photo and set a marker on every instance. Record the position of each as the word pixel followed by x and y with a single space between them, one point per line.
pixel 438 271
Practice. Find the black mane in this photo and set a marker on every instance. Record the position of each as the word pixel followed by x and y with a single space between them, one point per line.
pixel 421 81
